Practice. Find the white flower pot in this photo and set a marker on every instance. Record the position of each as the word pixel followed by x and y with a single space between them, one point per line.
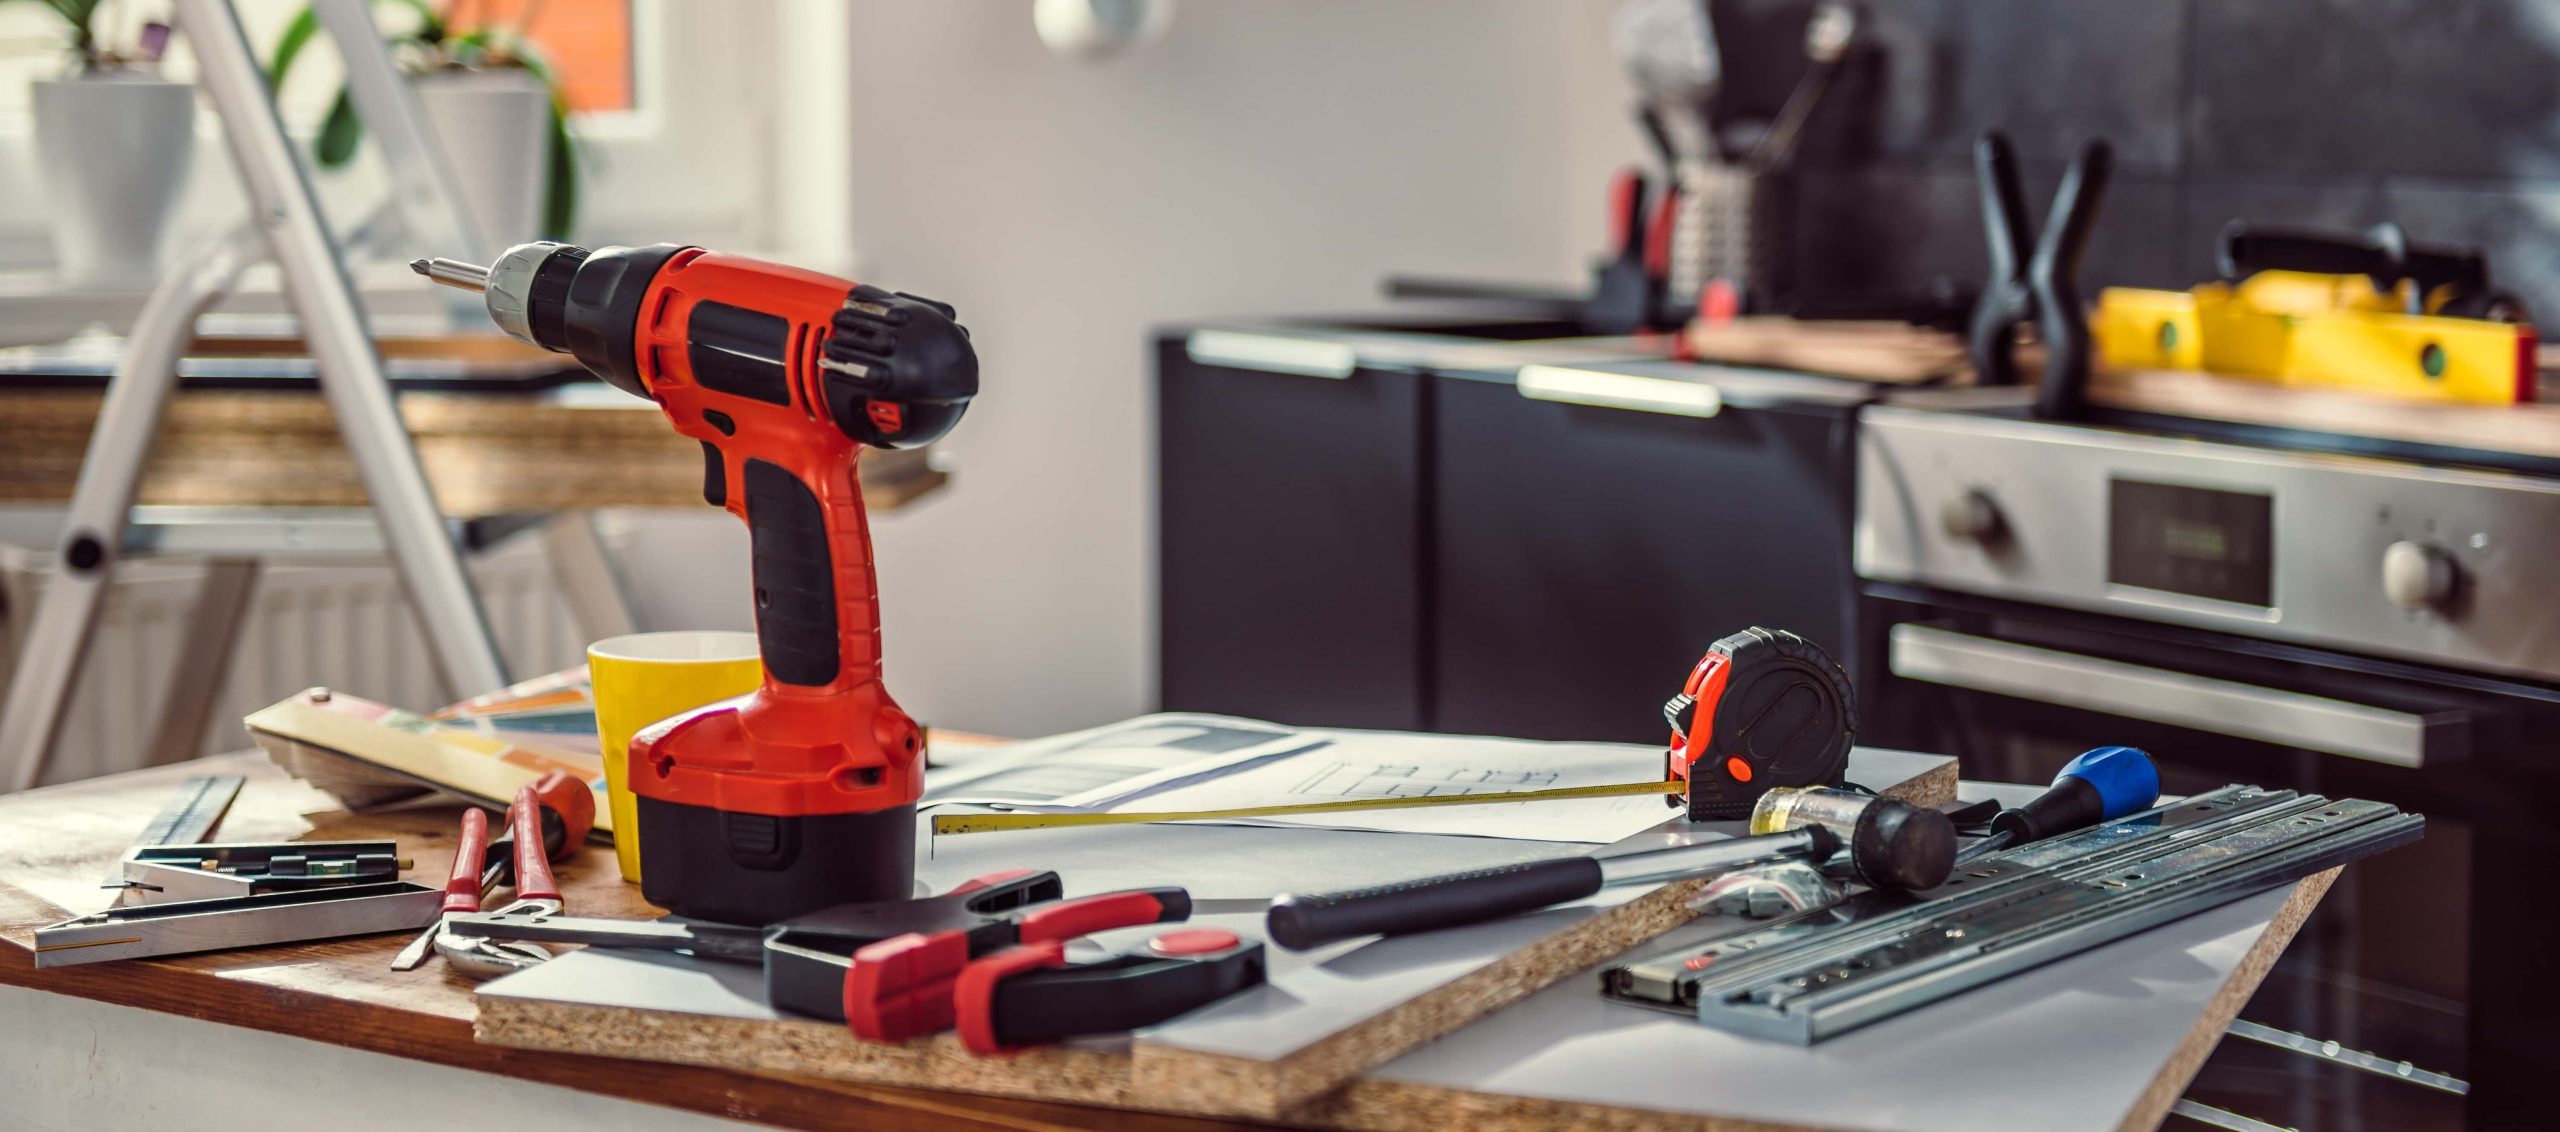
pixel 113 149
pixel 494 128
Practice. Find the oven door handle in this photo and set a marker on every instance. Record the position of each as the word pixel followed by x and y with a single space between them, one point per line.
pixel 2224 707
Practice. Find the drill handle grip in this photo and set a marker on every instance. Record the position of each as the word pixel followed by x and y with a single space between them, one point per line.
pixel 817 617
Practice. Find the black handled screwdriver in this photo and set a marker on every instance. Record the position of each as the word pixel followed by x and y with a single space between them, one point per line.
pixel 1301 922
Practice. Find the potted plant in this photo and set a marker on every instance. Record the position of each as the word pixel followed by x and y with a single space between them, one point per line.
pixel 490 99
pixel 112 142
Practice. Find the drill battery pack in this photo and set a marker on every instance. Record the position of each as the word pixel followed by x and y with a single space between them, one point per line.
pixel 734 867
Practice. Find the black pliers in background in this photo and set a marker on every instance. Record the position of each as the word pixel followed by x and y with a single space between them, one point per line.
pixel 2043 289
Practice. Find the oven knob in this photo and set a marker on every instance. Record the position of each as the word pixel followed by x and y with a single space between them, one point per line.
pixel 2418 576
pixel 1973 517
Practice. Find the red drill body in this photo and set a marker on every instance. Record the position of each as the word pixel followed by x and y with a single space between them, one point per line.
pixel 801 794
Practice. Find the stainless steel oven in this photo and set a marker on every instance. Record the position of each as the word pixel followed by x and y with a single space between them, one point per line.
pixel 2253 612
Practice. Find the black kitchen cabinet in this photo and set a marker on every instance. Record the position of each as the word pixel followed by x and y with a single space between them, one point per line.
pixel 1418 546
pixel 1587 556
pixel 1290 549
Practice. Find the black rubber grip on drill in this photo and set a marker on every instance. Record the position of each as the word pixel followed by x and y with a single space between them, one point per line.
pixel 547 300
pixel 1436 902
pixel 601 316
pixel 794 575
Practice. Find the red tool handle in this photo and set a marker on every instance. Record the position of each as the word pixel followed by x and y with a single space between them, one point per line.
pixel 462 888
pixel 1657 235
pixel 974 993
pixel 1083 916
pixel 1626 214
pixel 533 868
pixel 991 880
pixel 574 803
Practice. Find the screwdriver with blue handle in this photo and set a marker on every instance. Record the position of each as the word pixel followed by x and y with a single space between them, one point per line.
pixel 2102 784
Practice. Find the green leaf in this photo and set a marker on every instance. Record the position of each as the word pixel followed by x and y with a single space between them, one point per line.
pixel 297 35
pixel 77 13
pixel 560 193
pixel 82 16
pixel 339 133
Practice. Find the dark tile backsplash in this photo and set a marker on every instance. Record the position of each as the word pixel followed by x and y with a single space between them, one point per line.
pixel 2440 115
pixel 2048 72
pixel 2425 88
pixel 1857 231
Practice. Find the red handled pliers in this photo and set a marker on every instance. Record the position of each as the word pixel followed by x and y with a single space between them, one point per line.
pixel 1028 993
pixel 537 893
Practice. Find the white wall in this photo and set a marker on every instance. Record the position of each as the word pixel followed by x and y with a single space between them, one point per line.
pixel 1263 157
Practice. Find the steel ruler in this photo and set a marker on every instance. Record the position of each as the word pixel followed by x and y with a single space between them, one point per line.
pixel 192 812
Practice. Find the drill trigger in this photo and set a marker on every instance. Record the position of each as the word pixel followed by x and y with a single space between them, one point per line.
pixel 715 484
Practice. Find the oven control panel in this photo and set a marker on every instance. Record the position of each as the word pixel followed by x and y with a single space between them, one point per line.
pixel 2374 556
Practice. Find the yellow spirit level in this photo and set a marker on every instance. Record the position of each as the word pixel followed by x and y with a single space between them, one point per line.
pixel 2377 317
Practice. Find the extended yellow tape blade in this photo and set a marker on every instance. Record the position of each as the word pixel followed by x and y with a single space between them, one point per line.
pixel 990 823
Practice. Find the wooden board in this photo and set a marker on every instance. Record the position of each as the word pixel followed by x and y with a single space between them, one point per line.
pixel 492 349
pixel 1317 1025
pixel 484 454
pixel 1887 352
pixel 2531 429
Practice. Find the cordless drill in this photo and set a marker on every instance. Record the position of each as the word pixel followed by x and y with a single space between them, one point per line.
pixel 802 794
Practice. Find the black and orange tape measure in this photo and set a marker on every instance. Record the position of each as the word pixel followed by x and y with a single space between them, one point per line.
pixel 1764 708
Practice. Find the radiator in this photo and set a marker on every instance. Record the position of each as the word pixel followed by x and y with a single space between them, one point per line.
pixel 338 623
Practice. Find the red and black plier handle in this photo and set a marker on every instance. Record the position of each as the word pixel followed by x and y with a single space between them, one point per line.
pixel 1029 995
pixel 902 987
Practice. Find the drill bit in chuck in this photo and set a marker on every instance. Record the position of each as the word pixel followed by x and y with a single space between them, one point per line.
pixel 453 273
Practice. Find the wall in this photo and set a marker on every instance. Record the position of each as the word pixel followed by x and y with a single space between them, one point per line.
pixel 1261 158
pixel 2441 115
pixel 716 153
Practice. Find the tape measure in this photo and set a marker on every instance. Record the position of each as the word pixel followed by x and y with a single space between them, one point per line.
pixel 1764 708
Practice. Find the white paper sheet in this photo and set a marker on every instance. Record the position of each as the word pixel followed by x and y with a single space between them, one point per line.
pixel 1207 762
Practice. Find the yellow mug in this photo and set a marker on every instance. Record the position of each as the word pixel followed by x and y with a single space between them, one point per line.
pixel 645 677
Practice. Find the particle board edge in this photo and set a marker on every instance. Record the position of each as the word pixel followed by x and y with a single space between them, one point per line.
pixel 803 1048
pixel 2152 1107
pixel 1393 1106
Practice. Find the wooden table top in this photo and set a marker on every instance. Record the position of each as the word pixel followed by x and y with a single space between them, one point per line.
pixel 58 843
